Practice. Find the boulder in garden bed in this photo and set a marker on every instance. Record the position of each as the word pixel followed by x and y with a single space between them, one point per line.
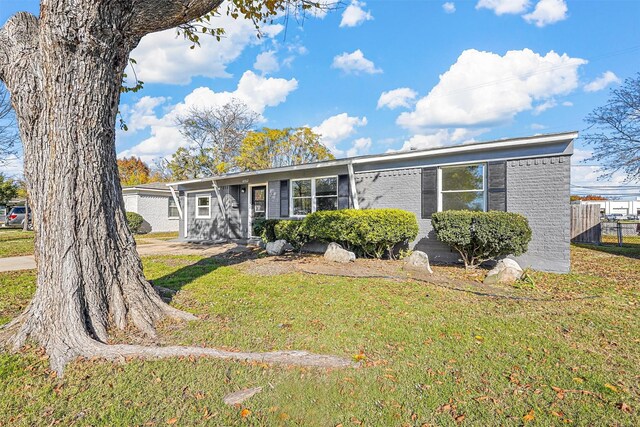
pixel 335 253
pixel 419 259
pixel 277 248
pixel 506 271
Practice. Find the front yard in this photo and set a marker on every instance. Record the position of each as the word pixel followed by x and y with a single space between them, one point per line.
pixel 15 242
pixel 431 355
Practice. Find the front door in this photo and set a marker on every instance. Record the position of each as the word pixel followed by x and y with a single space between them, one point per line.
pixel 258 203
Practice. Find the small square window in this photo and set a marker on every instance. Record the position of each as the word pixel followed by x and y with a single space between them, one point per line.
pixel 203 207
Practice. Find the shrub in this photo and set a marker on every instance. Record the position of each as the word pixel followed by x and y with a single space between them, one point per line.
pixel 481 236
pixel 134 221
pixel 264 228
pixel 292 231
pixel 369 232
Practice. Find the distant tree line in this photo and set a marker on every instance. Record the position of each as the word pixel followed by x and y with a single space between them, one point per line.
pixel 224 139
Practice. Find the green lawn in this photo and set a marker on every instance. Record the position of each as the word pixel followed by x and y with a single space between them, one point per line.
pixel 431 355
pixel 15 242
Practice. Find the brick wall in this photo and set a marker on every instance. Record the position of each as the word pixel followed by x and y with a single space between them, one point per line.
pixel 539 189
pixel 536 188
pixel 155 211
pixel 401 189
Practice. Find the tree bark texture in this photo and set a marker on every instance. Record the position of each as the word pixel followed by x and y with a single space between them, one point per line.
pixel 64 72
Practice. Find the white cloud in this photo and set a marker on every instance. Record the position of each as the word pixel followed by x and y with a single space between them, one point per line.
pixel 355 15
pixel 267 62
pixel 567 104
pixel 440 138
pixel 547 12
pixel 501 7
pixel 164 57
pixel 484 88
pixel 354 63
pixel 255 91
pixel 401 97
pixel 360 147
pixel 337 128
pixel 546 105
pixel 607 78
pixel 449 7
pixel 537 126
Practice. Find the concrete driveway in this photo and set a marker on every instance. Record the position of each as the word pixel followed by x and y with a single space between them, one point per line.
pixel 149 247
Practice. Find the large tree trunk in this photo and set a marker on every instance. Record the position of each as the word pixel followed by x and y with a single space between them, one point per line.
pixel 64 72
pixel 89 274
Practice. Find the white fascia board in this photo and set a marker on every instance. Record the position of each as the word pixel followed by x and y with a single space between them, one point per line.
pixel 545 139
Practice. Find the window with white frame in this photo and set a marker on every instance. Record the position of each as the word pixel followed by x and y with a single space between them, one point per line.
pixel 462 188
pixel 173 208
pixel 203 206
pixel 311 195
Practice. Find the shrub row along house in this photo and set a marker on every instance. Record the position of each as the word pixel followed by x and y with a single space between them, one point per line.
pixel 529 175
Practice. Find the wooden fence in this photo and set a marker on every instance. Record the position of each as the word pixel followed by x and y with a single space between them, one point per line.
pixel 585 224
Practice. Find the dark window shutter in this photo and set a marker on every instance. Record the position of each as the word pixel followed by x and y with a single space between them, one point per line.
pixel 284 199
pixel 429 192
pixel 343 191
pixel 497 186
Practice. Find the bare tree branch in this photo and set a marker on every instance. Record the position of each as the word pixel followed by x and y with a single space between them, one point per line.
pixel 17 36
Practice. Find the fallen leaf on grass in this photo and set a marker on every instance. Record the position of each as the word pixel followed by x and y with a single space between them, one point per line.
pixel 624 407
pixel 460 418
pixel 529 417
pixel 172 421
pixel 245 413
pixel 611 387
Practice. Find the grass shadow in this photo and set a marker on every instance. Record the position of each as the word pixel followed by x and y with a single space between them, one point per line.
pixel 630 250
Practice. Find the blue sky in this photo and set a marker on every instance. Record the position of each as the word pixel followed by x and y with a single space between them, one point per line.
pixel 393 74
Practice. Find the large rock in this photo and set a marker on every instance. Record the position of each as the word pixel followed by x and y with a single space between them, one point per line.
pixel 506 271
pixel 276 248
pixel 335 253
pixel 419 259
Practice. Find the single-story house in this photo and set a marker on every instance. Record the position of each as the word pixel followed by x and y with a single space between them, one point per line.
pixel 156 205
pixel 529 175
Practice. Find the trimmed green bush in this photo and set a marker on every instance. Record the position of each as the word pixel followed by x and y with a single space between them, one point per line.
pixel 482 236
pixel 134 221
pixel 292 231
pixel 369 232
pixel 265 229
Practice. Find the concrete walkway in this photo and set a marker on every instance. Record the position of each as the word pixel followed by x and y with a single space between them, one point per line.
pixel 148 247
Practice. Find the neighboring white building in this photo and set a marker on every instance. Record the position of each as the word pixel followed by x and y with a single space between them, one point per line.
pixel 609 207
pixel 156 205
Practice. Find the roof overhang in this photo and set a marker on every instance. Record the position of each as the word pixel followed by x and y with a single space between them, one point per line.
pixel 405 155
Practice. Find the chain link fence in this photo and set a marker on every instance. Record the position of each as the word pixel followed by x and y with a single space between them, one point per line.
pixel 621 233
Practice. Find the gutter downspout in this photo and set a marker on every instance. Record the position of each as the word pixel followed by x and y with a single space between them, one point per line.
pixel 352 186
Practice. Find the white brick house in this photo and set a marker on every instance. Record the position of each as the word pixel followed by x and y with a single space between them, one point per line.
pixel 155 204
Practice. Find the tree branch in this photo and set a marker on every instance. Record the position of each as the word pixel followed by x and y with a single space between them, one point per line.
pixel 150 16
pixel 17 39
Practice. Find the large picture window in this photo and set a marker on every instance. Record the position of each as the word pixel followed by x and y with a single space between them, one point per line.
pixel 311 195
pixel 173 209
pixel 462 188
pixel 203 206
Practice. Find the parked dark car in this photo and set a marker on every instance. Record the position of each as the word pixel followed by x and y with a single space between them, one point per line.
pixel 16 217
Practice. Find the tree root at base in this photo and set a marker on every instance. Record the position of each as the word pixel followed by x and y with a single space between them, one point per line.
pixel 115 352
